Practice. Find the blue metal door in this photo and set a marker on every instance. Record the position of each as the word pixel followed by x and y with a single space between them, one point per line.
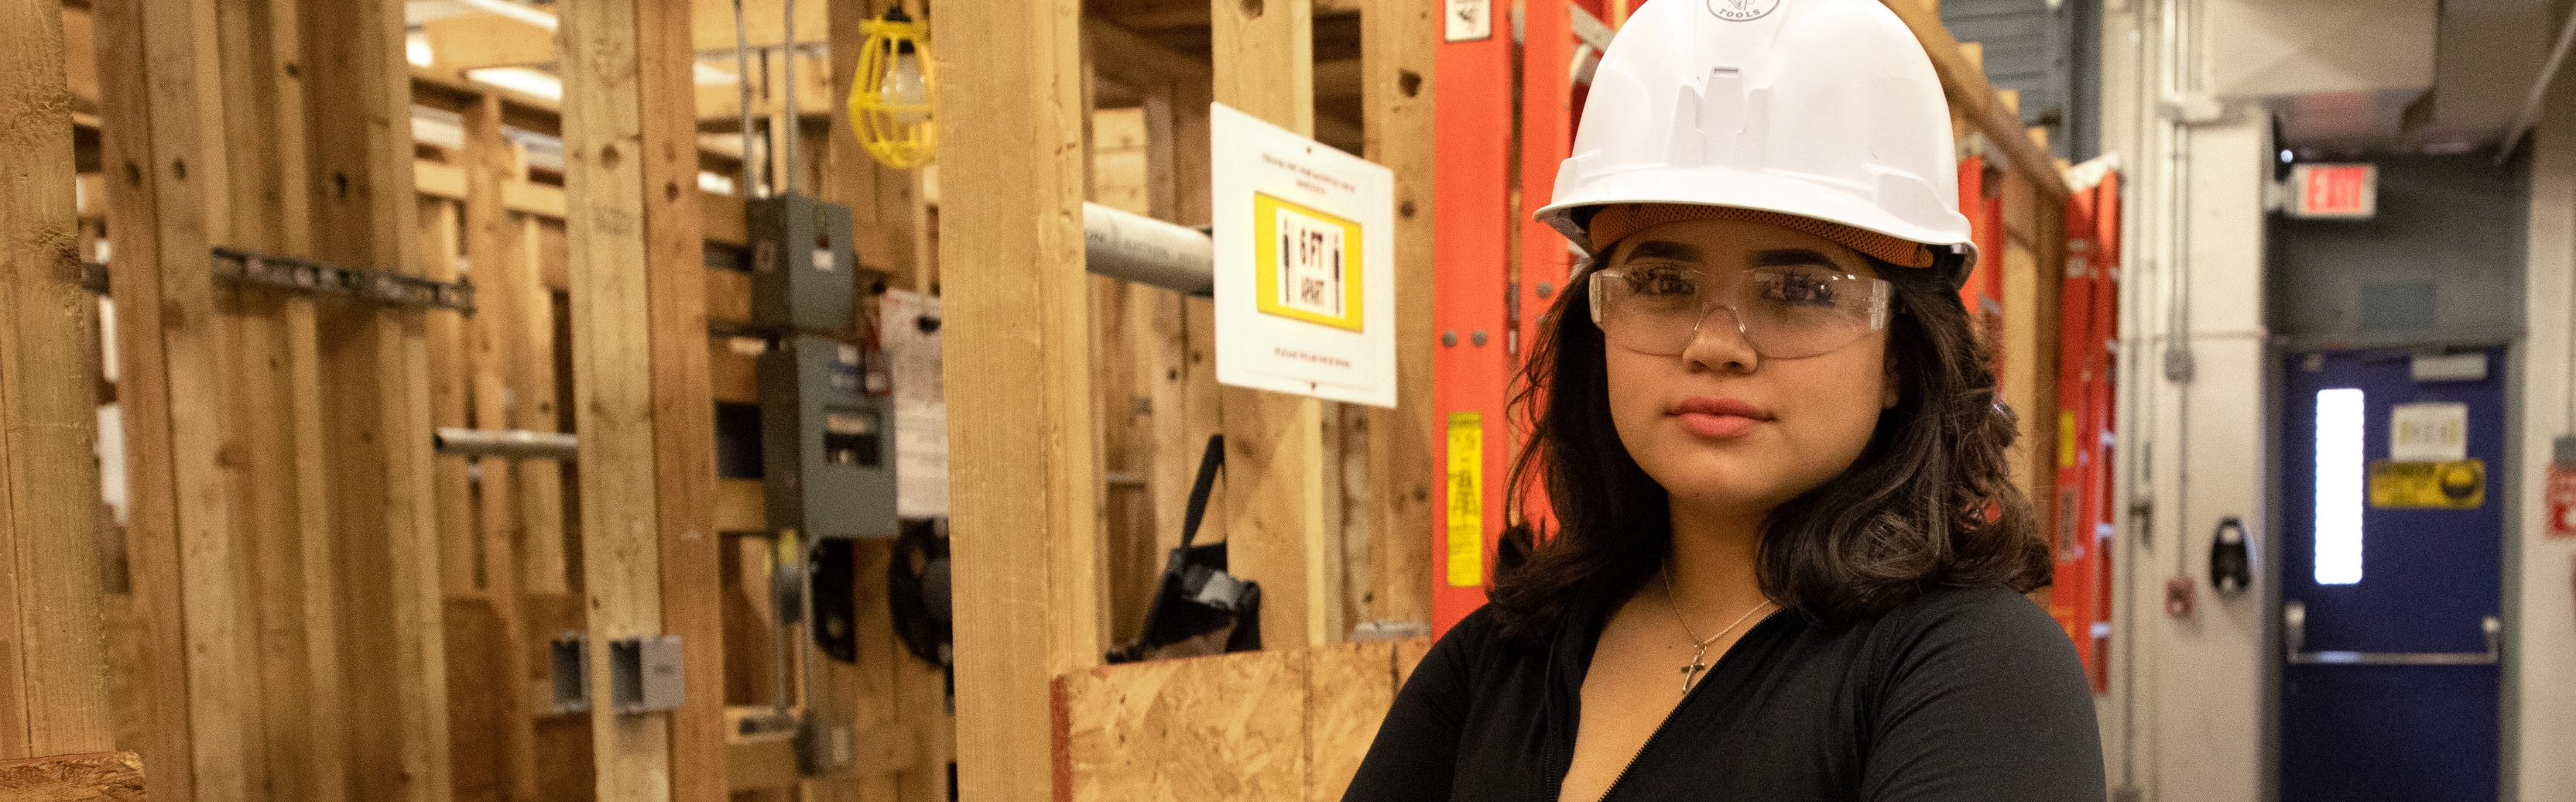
pixel 2391 576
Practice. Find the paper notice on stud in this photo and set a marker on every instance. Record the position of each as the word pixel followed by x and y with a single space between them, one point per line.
pixel 1305 265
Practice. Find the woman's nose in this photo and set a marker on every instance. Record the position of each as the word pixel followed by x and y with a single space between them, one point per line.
pixel 1719 344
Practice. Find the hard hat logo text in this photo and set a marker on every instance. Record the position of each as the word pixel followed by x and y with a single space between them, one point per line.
pixel 1741 10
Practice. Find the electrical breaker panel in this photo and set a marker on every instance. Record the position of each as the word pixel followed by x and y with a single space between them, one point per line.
pixel 802 266
pixel 827 443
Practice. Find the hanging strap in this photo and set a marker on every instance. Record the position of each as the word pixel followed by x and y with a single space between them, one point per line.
pixel 1209 464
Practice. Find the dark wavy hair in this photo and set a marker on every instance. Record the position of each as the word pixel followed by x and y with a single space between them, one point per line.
pixel 1929 503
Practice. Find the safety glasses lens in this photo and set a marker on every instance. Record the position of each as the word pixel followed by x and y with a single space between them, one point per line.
pixel 1784 313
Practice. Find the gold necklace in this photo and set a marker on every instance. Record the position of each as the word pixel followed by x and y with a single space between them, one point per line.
pixel 1699 648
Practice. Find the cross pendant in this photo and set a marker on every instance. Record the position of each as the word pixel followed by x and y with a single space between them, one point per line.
pixel 1690 673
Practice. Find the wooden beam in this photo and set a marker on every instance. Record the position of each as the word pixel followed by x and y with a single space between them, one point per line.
pixel 357 96
pixel 475 41
pixel 1276 460
pixel 1972 97
pixel 91 777
pixel 197 683
pixel 1023 467
pixel 640 383
pixel 763 23
pixel 1396 44
pixel 53 687
pixel 491 165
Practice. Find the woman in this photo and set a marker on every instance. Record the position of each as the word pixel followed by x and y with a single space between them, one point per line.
pixel 1788 557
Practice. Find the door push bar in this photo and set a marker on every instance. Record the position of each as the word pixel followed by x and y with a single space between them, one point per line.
pixel 2294 624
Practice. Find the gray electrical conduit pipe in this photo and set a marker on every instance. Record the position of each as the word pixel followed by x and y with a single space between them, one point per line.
pixel 1132 247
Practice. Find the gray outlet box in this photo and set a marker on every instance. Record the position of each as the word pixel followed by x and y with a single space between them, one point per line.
pixel 569 658
pixel 827 445
pixel 645 674
pixel 803 271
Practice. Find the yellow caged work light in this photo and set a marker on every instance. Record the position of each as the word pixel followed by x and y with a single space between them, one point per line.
pixel 890 95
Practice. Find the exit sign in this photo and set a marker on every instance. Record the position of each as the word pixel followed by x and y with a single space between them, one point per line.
pixel 2334 191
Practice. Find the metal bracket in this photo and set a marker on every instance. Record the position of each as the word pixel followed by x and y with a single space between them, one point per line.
pixel 569 654
pixel 305 275
pixel 323 277
pixel 644 675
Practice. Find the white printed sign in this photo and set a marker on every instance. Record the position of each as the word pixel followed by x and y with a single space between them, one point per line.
pixel 1305 264
pixel 2428 432
pixel 1467 20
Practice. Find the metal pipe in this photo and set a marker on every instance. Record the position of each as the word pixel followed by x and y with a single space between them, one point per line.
pixel 2539 90
pixel 506 444
pixel 788 164
pixel 1133 247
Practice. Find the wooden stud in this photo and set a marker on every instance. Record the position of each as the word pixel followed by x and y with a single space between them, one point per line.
pixel 543 567
pixel 1024 471
pixel 641 392
pixel 53 689
pixel 192 678
pixel 358 98
pixel 497 264
pixel 1276 462
pixel 1396 41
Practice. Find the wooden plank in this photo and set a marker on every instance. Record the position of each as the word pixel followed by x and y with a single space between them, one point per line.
pixel 613 376
pixel 53 688
pixel 1024 473
pixel 1224 727
pixel 647 467
pixel 491 165
pixel 1288 724
pixel 1396 42
pixel 1349 688
pixel 88 777
pixel 543 567
pixel 1972 97
pixel 1275 456
pixel 358 99
pixel 474 41
pixel 460 561
pixel 169 391
pixel 684 436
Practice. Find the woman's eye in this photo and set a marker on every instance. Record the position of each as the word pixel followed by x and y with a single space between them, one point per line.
pixel 1799 289
pixel 1661 282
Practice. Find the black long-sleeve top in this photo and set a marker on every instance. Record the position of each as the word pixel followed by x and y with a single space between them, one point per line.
pixel 1961 695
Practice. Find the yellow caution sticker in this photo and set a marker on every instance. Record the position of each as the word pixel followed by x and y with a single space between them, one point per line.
pixel 1466 499
pixel 2448 485
pixel 2065 438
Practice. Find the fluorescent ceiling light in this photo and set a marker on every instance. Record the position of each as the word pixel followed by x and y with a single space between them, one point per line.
pixel 522 80
pixel 514 11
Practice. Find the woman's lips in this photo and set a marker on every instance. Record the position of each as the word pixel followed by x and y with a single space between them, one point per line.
pixel 1718 417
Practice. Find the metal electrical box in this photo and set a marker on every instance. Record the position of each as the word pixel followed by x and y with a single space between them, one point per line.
pixel 802 266
pixel 827 444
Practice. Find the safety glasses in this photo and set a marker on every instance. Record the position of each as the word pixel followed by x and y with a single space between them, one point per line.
pixel 1782 312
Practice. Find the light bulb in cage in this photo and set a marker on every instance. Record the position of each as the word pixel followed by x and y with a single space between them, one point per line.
pixel 890 101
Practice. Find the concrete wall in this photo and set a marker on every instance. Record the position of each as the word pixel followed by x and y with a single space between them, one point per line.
pixel 2540 581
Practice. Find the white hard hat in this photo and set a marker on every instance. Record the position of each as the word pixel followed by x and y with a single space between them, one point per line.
pixel 1824 109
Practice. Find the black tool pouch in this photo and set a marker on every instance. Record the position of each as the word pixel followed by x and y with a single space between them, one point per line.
pixel 1199 609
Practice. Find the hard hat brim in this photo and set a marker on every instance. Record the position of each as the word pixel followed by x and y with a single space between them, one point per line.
pixel 1762 190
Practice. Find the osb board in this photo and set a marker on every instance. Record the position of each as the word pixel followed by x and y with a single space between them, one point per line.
pixel 99 777
pixel 1224 727
pixel 1274 725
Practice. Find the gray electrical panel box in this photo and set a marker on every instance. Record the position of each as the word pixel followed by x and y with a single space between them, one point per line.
pixel 827 444
pixel 802 267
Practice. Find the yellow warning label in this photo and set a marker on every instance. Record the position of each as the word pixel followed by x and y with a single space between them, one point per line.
pixel 2065 438
pixel 2453 485
pixel 1466 499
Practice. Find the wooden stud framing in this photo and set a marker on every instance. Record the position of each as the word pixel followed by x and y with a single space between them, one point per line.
pixel 499 265
pixel 53 687
pixel 1276 460
pixel 1024 471
pixel 1396 41
pixel 640 386
pixel 192 679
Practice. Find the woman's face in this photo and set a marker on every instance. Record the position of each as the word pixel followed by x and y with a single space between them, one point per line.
pixel 1721 427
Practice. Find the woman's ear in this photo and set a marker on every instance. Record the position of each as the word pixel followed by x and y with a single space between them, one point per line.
pixel 1888 393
